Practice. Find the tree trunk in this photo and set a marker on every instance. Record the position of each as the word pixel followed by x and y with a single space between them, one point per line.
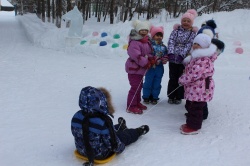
pixel 214 5
pixel 126 11
pixel 111 12
pixel 43 11
pixel 69 7
pixel 83 10
pixel 121 12
pixel 175 8
pixel 88 11
pixel 107 9
pixel 53 11
pixel 148 9
pixel 48 10
pixel 38 11
pixel 58 13
pixel 96 8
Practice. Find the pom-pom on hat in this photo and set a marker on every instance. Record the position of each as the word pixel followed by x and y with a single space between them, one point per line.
pixel 154 30
pixel 203 40
pixel 139 25
pixel 208 28
pixel 190 14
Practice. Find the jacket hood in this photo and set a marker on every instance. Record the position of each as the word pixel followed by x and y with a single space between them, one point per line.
pixel 134 35
pixel 93 100
pixel 178 26
pixel 199 53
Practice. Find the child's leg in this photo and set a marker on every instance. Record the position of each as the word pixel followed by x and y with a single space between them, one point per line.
pixel 135 82
pixel 138 94
pixel 147 85
pixel 173 80
pixel 205 112
pixel 128 136
pixel 180 91
pixel 159 70
pixel 195 114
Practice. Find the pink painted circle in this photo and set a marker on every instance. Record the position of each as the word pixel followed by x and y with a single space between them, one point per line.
pixel 239 50
pixel 95 33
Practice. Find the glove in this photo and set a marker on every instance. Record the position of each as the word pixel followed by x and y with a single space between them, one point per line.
pixel 157 60
pixel 151 62
pixel 164 59
pixel 148 65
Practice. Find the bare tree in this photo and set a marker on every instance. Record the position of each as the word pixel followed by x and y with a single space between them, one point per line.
pixel 111 11
pixel 53 11
pixel 83 4
pixel 126 11
pixel 58 13
pixel 48 10
pixel 43 11
pixel 38 11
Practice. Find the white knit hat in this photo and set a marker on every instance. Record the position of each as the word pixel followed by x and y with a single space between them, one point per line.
pixel 139 25
pixel 203 40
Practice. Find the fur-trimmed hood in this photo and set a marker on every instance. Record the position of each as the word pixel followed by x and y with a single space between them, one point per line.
pixel 134 35
pixel 176 26
pixel 199 53
pixel 93 100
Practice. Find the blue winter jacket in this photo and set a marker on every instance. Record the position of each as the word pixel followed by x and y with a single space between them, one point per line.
pixel 92 100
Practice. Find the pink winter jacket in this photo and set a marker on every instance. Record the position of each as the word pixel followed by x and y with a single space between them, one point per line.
pixel 197 78
pixel 137 61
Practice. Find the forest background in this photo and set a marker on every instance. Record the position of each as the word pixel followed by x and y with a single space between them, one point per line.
pixel 115 11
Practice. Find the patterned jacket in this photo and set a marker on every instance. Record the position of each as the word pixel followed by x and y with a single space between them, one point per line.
pixel 180 43
pixel 197 78
pixel 159 50
pixel 139 50
pixel 93 100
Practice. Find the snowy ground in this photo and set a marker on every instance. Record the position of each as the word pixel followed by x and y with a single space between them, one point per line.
pixel 41 78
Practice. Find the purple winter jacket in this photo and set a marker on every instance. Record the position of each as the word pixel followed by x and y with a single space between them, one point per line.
pixel 197 78
pixel 180 43
pixel 138 52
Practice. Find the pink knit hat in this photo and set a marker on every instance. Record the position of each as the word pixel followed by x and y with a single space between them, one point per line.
pixel 154 30
pixel 190 14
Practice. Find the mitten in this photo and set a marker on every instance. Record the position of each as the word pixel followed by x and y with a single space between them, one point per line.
pixel 164 59
pixel 157 60
pixel 152 61
pixel 148 65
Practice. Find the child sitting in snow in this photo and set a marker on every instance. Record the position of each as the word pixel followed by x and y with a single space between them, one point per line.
pixel 198 82
pixel 139 60
pixel 152 83
pixel 179 45
pixel 93 130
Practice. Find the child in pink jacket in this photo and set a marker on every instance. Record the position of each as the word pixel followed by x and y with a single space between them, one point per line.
pixel 139 60
pixel 198 82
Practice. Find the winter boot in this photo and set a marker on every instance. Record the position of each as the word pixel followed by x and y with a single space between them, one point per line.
pixel 122 123
pixel 146 101
pixel 134 110
pixel 177 101
pixel 142 107
pixel 187 130
pixel 142 130
pixel 154 102
pixel 171 101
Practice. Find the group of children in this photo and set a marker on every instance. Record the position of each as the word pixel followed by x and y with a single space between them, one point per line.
pixel 190 53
